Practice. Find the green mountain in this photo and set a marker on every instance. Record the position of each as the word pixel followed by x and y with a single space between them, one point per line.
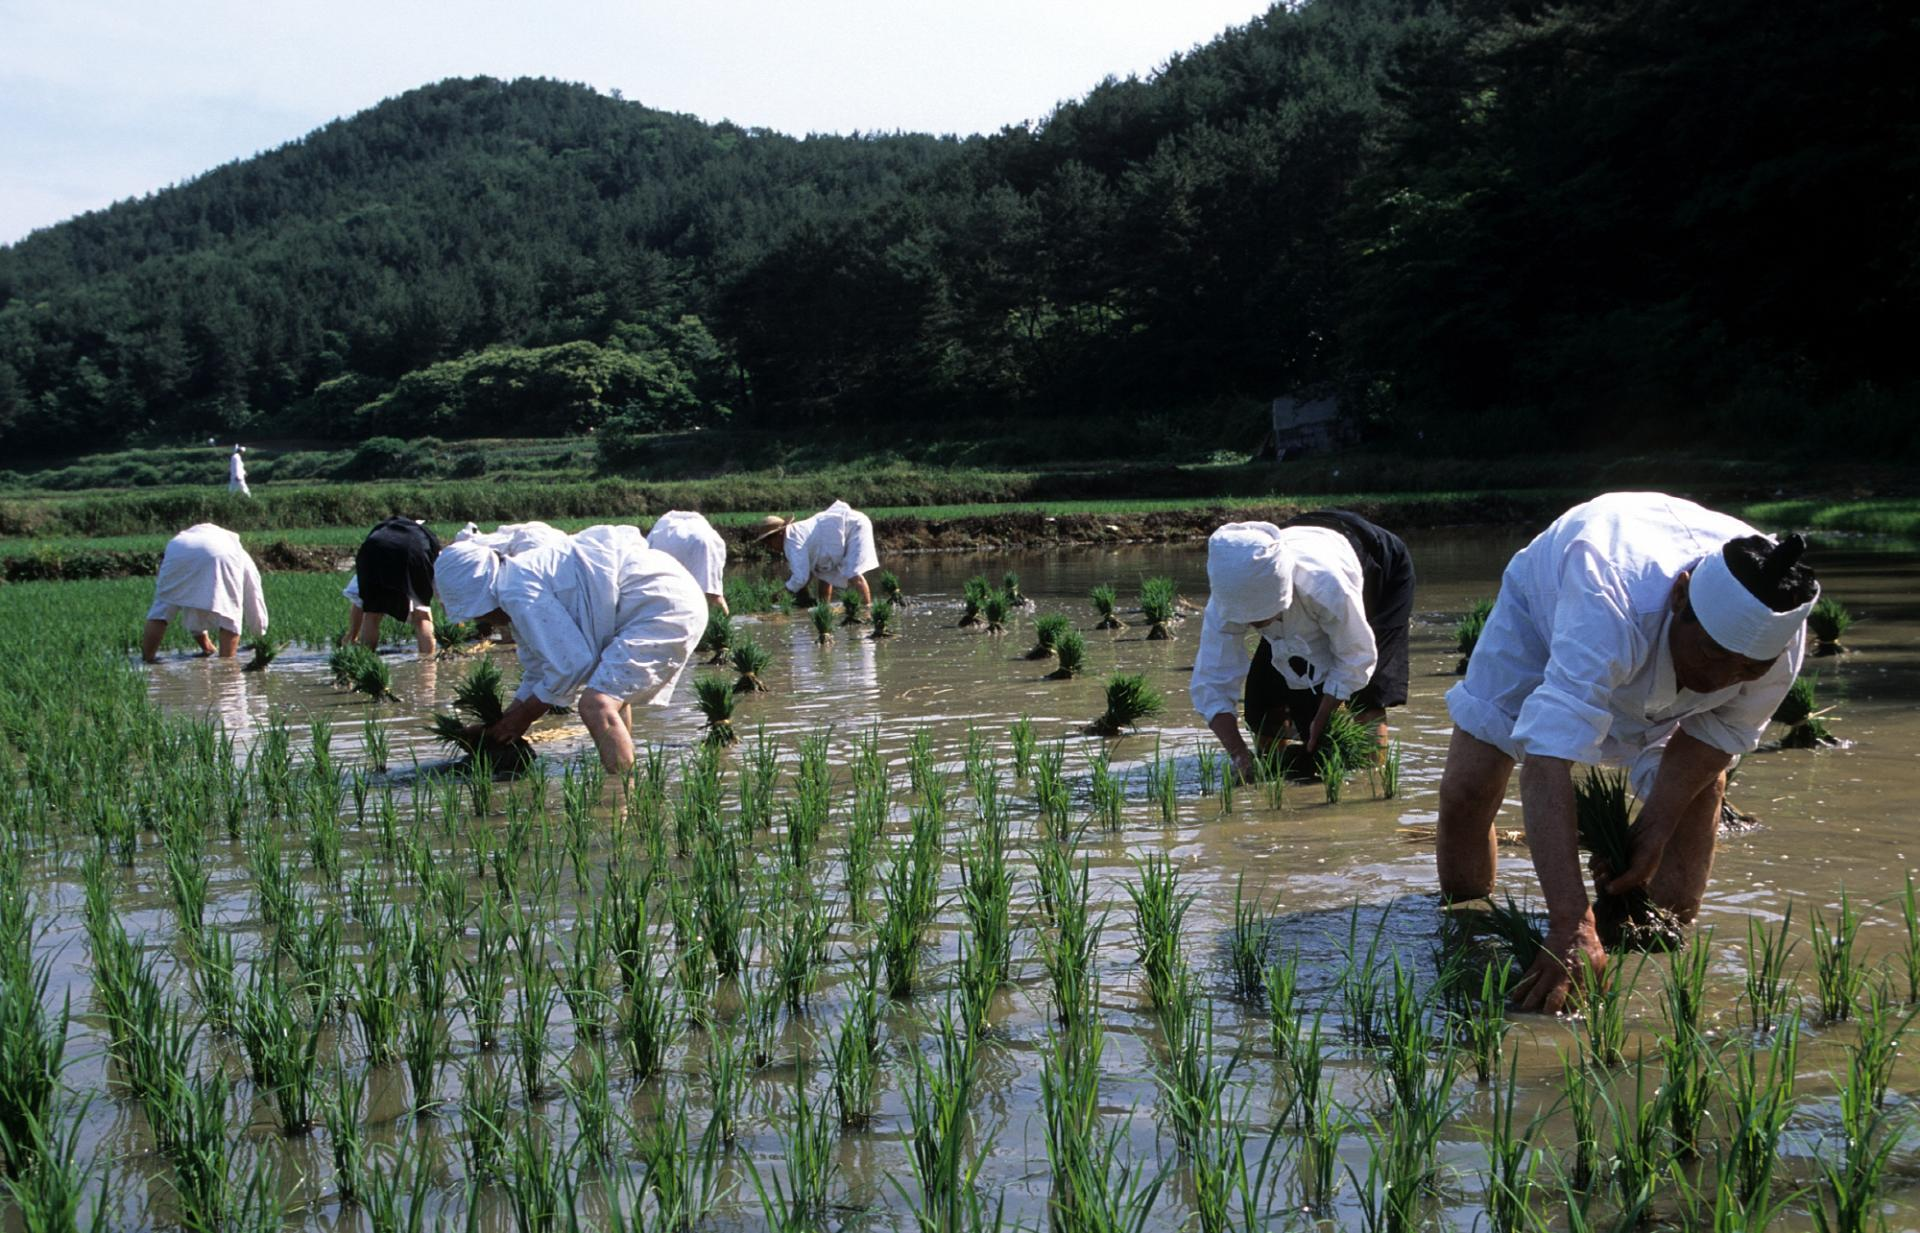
pixel 1495 224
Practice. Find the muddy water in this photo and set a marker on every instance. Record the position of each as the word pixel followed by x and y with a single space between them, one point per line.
pixel 1830 820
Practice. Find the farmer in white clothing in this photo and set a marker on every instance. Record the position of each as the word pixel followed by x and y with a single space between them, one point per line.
pixel 511 539
pixel 691 540
pixel 1638 630
pixel 602 621
pixel 1331 596
pixel 207 582
pixel 237 473
pixel 833 548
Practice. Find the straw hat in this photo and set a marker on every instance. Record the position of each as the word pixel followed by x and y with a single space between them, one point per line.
pixel 772 524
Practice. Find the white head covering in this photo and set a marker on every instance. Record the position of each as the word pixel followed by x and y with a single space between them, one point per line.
pixel 1736 618
pixel 464 575
pixel 1249 572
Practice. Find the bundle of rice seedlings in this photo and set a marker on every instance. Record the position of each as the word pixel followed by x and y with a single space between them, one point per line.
pixel 1466 631
pixel 1046 633
pixel 1603 813
pixel 361 670
pixel 457 633
pixel 1070 652
pixel 973 597
pixel 264 650
pixel 716 697
pixel 1356 744
pixel 882 618
pixel 1010 583
pixel 1511 927
pixel 1806 724
pixel 890 589
pixel 479 702
pixel 750 659
pixel 853 609
pixel 1827 622
pixel 1130 699
pixel 822 624
pixel 993 611
pixel 1104 599
pixel 718 639
pixel 1159 600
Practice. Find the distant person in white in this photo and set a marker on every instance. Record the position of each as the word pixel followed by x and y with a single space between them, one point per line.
pixel 833 548
pixel 237 473
pixel 207 582
pixel 1638 630
pixel 598 617
pixel 691 540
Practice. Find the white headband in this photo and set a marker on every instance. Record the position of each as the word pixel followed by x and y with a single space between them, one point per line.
pixel 1249 572
pixel 464 575
pixel 1735 618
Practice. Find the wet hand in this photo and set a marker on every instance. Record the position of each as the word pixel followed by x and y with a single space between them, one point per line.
pixel 1570 957
pixel 1315 731
pixel 1245 768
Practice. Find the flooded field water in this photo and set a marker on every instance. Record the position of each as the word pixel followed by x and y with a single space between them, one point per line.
pixel 1830 820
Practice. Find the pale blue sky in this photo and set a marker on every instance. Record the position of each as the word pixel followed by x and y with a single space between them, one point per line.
pixel 106 99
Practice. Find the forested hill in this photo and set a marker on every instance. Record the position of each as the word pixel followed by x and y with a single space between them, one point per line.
pixel 1495 224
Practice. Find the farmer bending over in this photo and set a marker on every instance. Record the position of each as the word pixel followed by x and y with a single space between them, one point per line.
pixel 393 578
pixel 1638 630
pixel 833 548
pixel 1331 596
pixel 599 617
pixel 207 582
pixel 691 540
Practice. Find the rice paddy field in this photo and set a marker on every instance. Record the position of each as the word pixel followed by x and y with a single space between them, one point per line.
pixel 916 951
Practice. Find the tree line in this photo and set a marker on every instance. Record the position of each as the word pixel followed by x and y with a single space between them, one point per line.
pixel 1482 223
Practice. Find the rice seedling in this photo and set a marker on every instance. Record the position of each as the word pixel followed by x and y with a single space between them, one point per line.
pixel 939 1096
pixel 193 1130
pixel 48 1197
pixel 1804 718
pixel 1280 985
pixel 1106 793
pixel 1837 977
pixel 881 618
pixel 1603 1006
pixel 281 1032
pixel 265 650
pixel 1639 1158
pixel 822 617
pixel 725 1077
pixel 1010 587
pixel 1361 983
pixel 1247 942
pixel 361 670
pixel 1159 908
pixel 1910 950
pixel 1684 987
pixel 373 742
pixel 853 609
pixel 1828 623
pixel 856 1048
pixel 1130 699
pixel 649 1018
pixel 485 1104
pixel 1402 1165
pixel 750 659
pixel 1581 1094
pixel 716 699
pixel 1467 631
pixel 1870 1061
pixel 888 585
pixel 1770 993
pixel 538 1179
pixel 1321 1123
pixel 682 1173
pixel 1759 1105
pixel 1511 1161
pixel 1193 1088
pixel 973 598
pixel 345 1121
pixel 1067 951
pixel 1483 1025
pixel 395 1197
pixel 32 1056
pixel 535 995
pixel 1046 634
pixel 717 640
pixel 1851 1179
pixel 1689 1086
pixel 1159 600
pixel 800 1201
pixel 798 948
pixel 994 607
pixel 1407 1037
pixel 1105 602
pixel 1070 655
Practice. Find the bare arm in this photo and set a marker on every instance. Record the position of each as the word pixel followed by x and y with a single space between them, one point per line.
pixel 1547 802
pixel 1226 726
pixel 516 720
pixel 1688 767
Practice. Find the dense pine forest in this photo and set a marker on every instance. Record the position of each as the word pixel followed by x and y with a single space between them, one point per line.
pixel 1487 225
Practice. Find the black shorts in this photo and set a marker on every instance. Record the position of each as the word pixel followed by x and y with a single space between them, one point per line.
pixel 1386 571
pixel 395 566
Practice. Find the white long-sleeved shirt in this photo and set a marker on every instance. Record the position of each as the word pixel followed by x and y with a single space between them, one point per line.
pixel 691 540
pixel 1325 625
pixel 835 546
pixel 600 611
pixel 206 572
pixel 1580 667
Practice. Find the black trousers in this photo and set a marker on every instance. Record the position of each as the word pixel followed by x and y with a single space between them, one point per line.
pixel 1386 570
